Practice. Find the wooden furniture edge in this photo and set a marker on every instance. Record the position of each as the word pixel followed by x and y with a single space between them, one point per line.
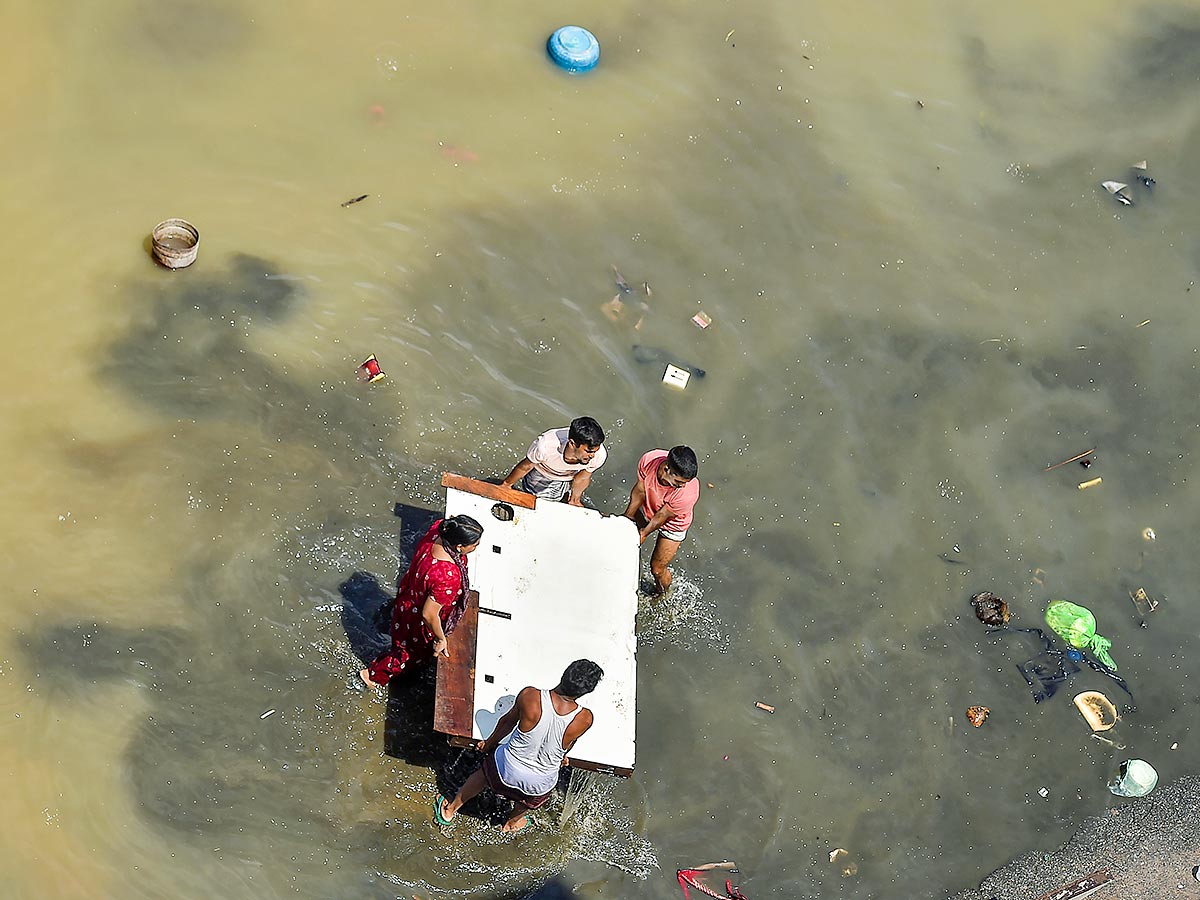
pixel 457 740
pixel 455 693
pixel 491 491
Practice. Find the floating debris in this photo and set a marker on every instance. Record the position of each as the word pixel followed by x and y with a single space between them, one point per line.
pixel 1043 792
pixel 268 713
pixel 645 354
pixel 359 199
pixel 370 372
pixel 702 319
pixel 1084 485
pixel 1143 602
pixel 990 609
pixel 621 282
pixel 1135 778
pixel 675 376
pixel 1117 188
pixel 1071 460
pixel 458 154
pixel 1097 709
pixel 977 715
pixel 614 309
pixel 764 706
pixel 1080 888
pixel 693 878
pixel 849 867
pixel 1148 534
pixel 646 290
pixel 1139 172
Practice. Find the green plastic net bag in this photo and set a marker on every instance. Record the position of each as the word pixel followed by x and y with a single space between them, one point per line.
pixel 1076 625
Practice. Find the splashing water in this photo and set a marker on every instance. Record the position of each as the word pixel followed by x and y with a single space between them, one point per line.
pixel 578 789
pixel 683 617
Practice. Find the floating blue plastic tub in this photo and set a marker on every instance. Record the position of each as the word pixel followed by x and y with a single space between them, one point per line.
pixel 575 49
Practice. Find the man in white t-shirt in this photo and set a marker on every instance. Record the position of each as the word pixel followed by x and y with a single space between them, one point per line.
pixel 560 462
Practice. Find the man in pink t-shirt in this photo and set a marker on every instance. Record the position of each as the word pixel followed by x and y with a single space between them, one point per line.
pixel 663 498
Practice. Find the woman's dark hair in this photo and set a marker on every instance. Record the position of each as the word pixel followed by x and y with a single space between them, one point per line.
pixel 579 678
pixel 460 531
pixel 586 431
pixel 682 461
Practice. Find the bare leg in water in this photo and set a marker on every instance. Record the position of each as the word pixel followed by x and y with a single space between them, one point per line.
pixel 476 783
pixel 473 786
pixel 664 551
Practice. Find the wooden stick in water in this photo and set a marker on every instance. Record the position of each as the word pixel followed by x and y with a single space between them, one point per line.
pixel 1071 460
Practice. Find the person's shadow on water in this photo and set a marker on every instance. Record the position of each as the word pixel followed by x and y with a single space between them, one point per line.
pixel 366 618
pixel 364 605
pixel 408 720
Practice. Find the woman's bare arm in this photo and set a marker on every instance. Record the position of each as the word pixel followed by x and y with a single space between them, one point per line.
pixel 431 615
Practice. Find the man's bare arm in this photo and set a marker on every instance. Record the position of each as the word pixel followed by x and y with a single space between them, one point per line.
pixel 578 485
pixel 580 724
pixel 520 470
pixel 655 523
pixel 510 720
pixel 637 497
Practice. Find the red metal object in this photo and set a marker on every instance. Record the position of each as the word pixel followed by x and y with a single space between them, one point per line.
pixel 370 371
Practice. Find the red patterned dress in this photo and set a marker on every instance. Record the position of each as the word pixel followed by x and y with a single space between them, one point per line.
pixel 412 639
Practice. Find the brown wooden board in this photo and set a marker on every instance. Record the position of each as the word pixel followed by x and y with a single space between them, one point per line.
pixel 454 703
pixel 1080 888
pixel 491 491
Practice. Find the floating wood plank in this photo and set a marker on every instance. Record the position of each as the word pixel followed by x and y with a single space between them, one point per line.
pixel 559 583
pixel 1077 890
pixel 491 491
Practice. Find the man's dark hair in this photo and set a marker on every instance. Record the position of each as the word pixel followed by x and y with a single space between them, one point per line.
pixel 682 461
pixel 579 678
pixel 586 431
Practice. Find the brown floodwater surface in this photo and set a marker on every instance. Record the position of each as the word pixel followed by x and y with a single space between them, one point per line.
pixel 920 299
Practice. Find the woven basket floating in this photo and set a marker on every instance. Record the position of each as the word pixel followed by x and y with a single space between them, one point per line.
pixel 175 243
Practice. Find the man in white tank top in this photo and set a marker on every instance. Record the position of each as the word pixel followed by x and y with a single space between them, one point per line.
pixel 541 727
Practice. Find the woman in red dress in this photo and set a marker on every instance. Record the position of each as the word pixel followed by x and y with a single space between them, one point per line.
pixel 431 600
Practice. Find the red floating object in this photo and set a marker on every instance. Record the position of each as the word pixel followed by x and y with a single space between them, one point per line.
pixel 370 372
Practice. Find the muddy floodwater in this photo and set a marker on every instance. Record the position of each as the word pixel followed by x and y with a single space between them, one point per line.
pixel 920 298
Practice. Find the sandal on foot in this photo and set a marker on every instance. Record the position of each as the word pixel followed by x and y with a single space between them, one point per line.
pixel 437 812
pixel 528 824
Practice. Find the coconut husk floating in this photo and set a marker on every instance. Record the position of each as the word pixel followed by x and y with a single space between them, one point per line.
pixel 1117 189
pixel 1097 709
pixel 990 609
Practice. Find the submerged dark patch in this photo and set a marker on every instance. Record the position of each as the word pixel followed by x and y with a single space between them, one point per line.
pixel 1169 53
pixel 188 31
